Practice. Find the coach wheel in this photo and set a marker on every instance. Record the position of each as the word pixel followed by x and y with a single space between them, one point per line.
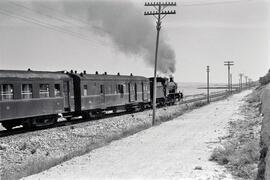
pixel 7 125
pixel 142 107
pixel 88 115
pixel 44 121
pixel 114 110
pixel 27 124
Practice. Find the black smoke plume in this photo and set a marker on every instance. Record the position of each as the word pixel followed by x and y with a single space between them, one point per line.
pixel 127 27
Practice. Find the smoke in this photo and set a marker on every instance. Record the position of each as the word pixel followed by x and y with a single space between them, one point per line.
pixel 124 23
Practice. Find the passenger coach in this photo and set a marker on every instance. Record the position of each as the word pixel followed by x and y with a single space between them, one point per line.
pixel 96 93
pixel 37 98
pixel 33 98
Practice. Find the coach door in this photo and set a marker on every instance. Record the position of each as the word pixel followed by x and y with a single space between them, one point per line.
pixel 102 95
pixel 132 92
pixel 143 93
pixel 66 95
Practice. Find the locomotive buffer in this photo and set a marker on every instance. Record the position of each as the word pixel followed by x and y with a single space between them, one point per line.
pixel 159 14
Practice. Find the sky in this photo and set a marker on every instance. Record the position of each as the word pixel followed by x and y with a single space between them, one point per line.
pixel 114 36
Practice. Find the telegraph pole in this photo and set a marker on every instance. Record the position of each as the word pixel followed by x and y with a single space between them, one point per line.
pixel 159 14
pixel 249 82
pixel 231 83
pixel 239 85
pixel 241 75
pixel 208 70
pixel 229 64
pixel 246 81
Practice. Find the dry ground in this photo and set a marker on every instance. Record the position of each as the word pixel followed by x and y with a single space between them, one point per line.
pixel 178 149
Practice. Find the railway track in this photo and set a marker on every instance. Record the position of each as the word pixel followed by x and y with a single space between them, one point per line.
pixel 21 130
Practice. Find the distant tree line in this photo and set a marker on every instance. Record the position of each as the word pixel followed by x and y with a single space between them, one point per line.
pixel 265 79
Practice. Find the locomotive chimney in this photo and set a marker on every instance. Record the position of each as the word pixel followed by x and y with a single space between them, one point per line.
pixel 75 72
pixel 171 79
pixel 97 72
pixel 118 74
pixel 105 73
pixel 71 71
pixel 131 74
pixel 84 72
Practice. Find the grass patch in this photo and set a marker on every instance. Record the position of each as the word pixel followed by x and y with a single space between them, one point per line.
pixel 240 151
pixel 240 160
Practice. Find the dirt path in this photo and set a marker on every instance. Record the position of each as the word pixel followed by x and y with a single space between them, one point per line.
pixel 178 149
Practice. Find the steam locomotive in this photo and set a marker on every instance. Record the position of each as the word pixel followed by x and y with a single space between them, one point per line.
pixel 37 98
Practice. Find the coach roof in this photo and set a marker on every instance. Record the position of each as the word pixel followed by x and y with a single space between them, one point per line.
pixel 110 77
pixel 33 74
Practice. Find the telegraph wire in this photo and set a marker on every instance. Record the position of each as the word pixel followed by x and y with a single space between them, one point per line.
pixel 68 16
pixel 79 35
pixel 26 19
pixel 56 18
pixel 36 11
pixel 200 3
pixel 49 26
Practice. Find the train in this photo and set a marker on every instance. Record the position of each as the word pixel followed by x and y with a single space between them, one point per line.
pixel 37 98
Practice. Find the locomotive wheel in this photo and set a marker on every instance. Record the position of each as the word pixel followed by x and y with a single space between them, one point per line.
pixel 7 125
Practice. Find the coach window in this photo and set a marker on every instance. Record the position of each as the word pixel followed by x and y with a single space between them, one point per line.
pixel 101 89
pixel 120 88
pixel 135 89
pixel 27 91
pixel 109 89
pixel 57 92
pixel 117 88
pixel 6 91
pixel 44 90
pixel 84 90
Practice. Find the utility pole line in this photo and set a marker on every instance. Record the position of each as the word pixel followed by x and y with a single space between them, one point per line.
pixel 239 85
pixel 246 81
pixel 231 83
pixel 159 14
pixel 241 75
pixel 229 64
pixel 249 82
pixel 208 95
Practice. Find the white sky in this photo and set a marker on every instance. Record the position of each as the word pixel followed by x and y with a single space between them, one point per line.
pixel 200 35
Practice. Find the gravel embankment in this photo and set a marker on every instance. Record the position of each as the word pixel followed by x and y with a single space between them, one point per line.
pixel 239 151
pixel 178 149
pixel 30 153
